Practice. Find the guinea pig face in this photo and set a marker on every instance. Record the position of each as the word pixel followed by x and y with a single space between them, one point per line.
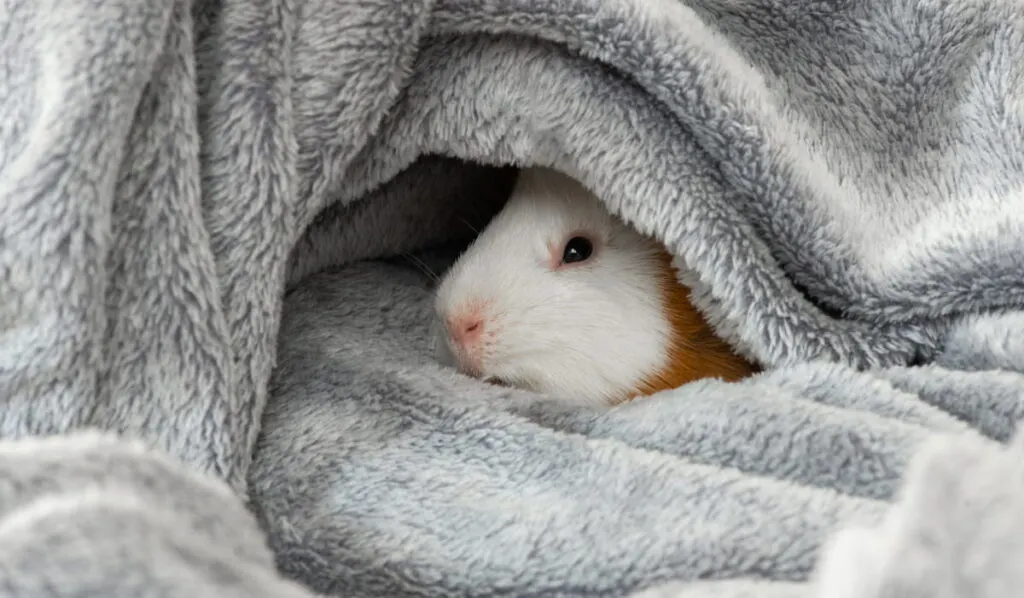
pixel 556 296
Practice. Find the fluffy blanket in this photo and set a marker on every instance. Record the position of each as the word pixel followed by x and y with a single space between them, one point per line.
pixel 219 223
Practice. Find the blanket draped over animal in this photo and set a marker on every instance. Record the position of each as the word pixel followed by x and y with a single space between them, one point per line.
pixel 217 220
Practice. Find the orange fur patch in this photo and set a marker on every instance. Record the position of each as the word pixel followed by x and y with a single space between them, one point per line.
pixel 695 351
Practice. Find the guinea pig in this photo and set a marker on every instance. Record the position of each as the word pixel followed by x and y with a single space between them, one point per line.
pixel 558 296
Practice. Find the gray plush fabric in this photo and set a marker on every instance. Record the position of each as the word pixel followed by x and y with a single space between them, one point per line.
pixel 89 515
pixel 207 213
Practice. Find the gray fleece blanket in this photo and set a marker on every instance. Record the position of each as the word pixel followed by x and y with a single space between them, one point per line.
pixel 219 227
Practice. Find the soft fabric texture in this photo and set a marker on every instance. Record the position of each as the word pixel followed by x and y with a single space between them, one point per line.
pixel 219 224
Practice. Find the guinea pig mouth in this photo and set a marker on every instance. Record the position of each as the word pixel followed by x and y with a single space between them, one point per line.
pixel 496 381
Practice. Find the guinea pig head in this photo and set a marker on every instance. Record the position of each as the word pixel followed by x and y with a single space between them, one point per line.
pixel 557 296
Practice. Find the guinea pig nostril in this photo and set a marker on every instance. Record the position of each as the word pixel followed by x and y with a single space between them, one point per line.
pixel 465 329
pixel 471 329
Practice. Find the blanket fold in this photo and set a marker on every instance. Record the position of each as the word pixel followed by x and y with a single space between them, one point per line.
pixel 221 222
pixel 93 515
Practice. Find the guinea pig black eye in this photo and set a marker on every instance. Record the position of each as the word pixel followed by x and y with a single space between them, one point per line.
pixel 578 249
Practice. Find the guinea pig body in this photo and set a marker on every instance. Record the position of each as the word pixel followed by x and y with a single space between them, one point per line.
pixel 558 296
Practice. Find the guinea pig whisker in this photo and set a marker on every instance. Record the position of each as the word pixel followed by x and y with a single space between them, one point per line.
pixel 542 304
pixel 422 267
pixel 469 225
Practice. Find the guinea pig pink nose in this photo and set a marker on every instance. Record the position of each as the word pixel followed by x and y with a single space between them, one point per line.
pixel 466 328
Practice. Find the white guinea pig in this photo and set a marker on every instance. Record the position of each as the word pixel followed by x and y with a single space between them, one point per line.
pixel 558 296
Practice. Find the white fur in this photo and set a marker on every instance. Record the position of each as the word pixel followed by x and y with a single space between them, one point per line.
pixel 585 333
